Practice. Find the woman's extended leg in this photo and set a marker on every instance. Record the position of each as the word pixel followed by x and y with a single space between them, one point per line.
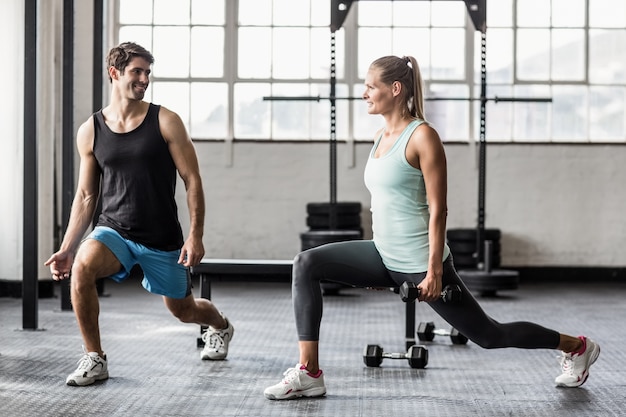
pixel 468 317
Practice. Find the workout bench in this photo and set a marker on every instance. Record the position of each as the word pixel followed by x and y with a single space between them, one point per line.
pixel 263 270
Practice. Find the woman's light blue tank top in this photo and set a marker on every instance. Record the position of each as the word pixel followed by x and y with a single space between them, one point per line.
pixel 399 207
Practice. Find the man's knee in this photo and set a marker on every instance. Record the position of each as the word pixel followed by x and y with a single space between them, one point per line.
pixel 83 276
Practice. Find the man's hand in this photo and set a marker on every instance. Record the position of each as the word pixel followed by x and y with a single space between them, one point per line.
pixel 60 264
pixel 192 252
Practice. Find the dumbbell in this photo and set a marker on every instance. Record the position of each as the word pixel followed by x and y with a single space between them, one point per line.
pixel 416 355
pixel 427 332
pixel 410 292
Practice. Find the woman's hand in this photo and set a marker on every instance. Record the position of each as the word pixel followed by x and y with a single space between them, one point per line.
pixel 430 288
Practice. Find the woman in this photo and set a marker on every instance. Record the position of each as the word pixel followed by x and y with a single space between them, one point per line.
pixel 407 179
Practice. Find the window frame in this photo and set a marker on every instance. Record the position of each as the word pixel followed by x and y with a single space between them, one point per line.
pixel 350 79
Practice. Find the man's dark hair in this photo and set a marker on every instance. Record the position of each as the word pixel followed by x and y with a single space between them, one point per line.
pixel 119 56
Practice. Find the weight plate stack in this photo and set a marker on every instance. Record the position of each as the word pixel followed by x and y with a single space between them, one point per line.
pixel 462 243
pixel 348 227
pixel 348 216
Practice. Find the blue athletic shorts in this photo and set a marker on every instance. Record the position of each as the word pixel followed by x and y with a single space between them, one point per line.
pixel 162 274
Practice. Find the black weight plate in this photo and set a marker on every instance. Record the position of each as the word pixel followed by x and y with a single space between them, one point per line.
pixel 470 234
pixel 341 207
pixel 483 281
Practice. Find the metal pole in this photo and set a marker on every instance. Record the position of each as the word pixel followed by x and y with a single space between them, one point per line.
pixel 30 281
pixel 67 144
pixel 482 149
pixel 333 137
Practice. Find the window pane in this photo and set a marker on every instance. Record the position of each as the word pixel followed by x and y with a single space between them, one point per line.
pixel 320 53
pixel 450 118
pixel 533 54
pixel 291 119
pixel 254 61
pixel 606 114
pixel 171 51
pixel 209 110
pixel 531 120
pixel 499 56
pixel 374 13
pixel 411 13
pixel 533 13
pixel 568 13
pixel 292 12
pixel 568 55
pixel 373 43
pixel 174 96
pixel 255 12
pixel 607 56
pixel 448 13
pixel 500 13
pixel 207 51
pixel 252 114
pixel 607 13
pixel 320 13
pixel 287 61
pixel 138 34
pixel 569 113
pixel 135 11
pixel 207 12
pixel 448 54
pixel 167 12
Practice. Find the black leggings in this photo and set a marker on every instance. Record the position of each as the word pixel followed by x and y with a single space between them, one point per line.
pixel 357 263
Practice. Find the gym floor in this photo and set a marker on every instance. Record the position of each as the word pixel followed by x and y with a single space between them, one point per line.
pixel 155 367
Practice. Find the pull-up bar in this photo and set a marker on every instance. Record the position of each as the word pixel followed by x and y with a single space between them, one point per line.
pixel 477 10
pixel 494 99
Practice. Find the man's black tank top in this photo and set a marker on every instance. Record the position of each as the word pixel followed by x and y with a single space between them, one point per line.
pixel 138 183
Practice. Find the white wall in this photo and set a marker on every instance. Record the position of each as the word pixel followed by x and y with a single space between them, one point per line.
pixel 557 205
pixel 12 122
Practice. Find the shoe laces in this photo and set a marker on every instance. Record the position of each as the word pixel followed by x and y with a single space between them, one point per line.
pixel 213 339
pixel 291 375
pixel 86 362
pixel 567 363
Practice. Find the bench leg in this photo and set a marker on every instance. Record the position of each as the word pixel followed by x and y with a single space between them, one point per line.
pixel 410 324
pixel 205 292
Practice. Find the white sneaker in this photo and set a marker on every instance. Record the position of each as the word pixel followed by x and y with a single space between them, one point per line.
pixel 91 368
pixel 575 366
pixel 298 382
pixel 216 342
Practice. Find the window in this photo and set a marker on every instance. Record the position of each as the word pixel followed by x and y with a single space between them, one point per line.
pixel 228 66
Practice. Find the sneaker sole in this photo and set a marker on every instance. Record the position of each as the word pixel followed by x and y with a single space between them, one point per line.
pixel 89 381
pixel 310 393
pixel 593 360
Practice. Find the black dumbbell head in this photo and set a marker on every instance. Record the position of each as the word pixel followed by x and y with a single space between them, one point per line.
pixel 425 331
pixel 417 356
pixel 373 356
pixel 457 338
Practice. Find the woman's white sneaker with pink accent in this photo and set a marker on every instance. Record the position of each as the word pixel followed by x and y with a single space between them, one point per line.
pixel 297 382
pixel 575 366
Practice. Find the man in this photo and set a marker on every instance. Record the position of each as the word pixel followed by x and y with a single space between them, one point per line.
pixel 130 153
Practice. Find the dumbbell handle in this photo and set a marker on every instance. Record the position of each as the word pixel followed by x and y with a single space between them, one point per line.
pixel 409 291
pixel 394 355
pixel 442 332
